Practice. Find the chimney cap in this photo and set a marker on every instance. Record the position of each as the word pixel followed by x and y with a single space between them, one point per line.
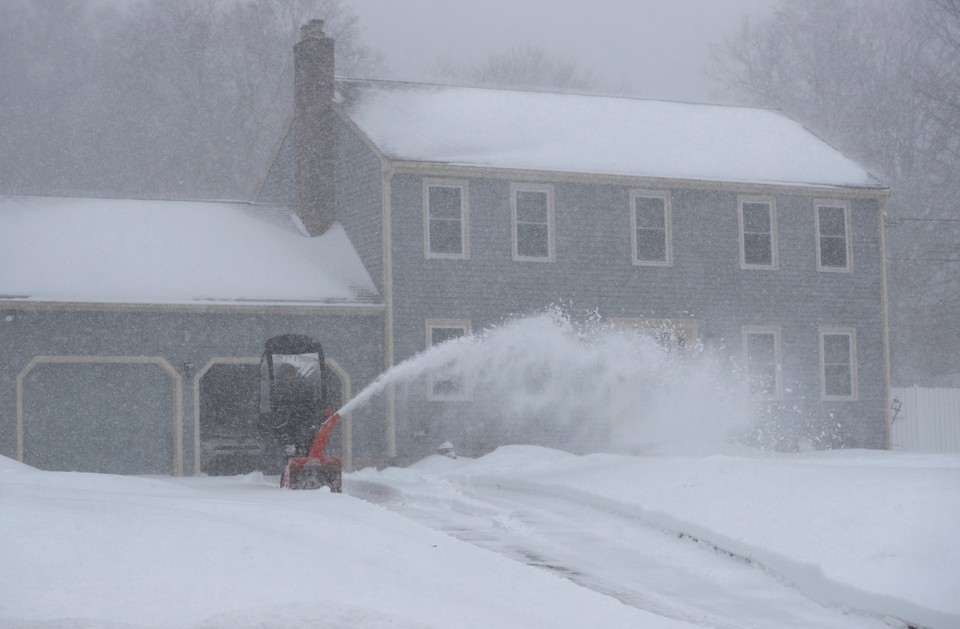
pixel 313 28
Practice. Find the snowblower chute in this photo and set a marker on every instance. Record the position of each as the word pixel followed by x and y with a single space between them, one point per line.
pixel 293 398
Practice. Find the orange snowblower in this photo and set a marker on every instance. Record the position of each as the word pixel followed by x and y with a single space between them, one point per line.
pixel 294 389
pixel 316 470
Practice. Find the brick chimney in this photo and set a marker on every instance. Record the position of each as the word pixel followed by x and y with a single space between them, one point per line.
pixel 313 124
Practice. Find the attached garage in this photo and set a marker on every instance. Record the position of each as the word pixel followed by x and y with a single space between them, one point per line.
pixel 132 329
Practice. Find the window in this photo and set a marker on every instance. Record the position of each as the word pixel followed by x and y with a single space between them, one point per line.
pixel 758 233
pixel 838 362
pixel 650 232
pixel 445 219
pixel 533 219
pixel 761 354
pixel 670 334
pixel 833 236
pixel 447 382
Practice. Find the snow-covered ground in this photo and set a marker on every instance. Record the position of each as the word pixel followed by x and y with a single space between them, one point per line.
pixel 523 537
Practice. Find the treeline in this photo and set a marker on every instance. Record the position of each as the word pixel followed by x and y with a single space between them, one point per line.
pixel 152 99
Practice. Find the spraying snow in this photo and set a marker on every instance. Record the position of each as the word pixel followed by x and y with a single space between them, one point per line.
pixel 583 386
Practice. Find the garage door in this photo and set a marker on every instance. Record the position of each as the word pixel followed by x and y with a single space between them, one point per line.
pixel 114 417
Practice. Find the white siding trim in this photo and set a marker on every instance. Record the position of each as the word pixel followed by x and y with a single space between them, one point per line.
pixel 390 421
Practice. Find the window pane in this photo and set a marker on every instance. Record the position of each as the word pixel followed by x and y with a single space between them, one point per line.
pixel 837 380
pixel 446 237
pixel 447 383
pixel 445 202
pixel 756 218
pixel 652 245
pixel 651 212
pixel 532 240
pixel 532 206
pixel 833 252
pixel 761 348
pixel 440 334
pixel 833 221
pixel 757 249
pixel 836 349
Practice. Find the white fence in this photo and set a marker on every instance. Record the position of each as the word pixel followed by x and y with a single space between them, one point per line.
pixel 928 420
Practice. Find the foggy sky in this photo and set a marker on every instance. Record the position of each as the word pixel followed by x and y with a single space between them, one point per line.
pixel 654 48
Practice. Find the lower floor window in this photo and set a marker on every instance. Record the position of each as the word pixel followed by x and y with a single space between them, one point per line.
pixel 761 349
pixel 447 382
pixel 669 334
pixel 838 362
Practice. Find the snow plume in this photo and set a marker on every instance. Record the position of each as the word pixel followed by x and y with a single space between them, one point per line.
pixel 579 386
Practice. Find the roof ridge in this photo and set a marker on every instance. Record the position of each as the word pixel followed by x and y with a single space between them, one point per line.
pixel 531 90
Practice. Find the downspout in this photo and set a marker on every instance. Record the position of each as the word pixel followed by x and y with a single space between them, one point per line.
pixel 884 299
pixel 386 169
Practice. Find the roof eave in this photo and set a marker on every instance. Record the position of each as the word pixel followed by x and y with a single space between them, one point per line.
pixel 407 166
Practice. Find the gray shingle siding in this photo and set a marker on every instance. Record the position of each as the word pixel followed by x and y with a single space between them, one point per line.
pixel 360 199
pixel 279 184
pixel 593 271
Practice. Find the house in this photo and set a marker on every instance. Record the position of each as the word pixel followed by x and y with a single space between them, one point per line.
pixel 732 227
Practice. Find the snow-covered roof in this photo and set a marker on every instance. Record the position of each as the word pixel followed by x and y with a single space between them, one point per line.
pixel 573 133
pixel 172 252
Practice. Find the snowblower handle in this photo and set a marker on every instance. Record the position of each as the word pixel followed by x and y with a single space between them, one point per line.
pixel 319 446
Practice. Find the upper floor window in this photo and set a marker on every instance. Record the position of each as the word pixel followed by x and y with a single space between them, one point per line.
pixel 447 382
pixel 761 353
pixel 533 222
pixel 650 224
pixel 758 233
pixel 445 219
pixel 838 363
pixel 833 236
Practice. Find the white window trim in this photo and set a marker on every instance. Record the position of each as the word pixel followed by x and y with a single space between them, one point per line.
pixel 848 224
pixel 551 222
pixel 774 240
pixel 668 224
pixel 464 218
pixel 854 382
pixel 777 353
pixel 429 325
